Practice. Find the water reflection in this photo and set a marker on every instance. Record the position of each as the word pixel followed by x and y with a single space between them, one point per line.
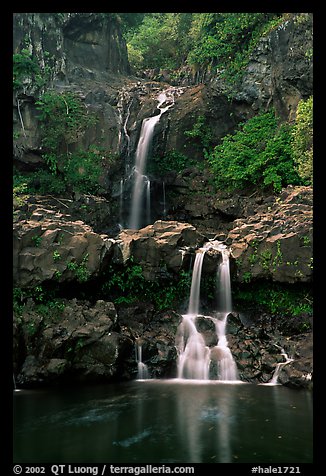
pixel 164 422
pixel 203 417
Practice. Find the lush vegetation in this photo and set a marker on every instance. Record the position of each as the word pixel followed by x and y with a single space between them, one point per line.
pixel 28 72
pixel 217 41
pixel 260 153
pixel 64 120
pixel 25 68
pixel 124 285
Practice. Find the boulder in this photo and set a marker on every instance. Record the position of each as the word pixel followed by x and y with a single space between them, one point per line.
pixel 76 340
pixel 159 248
pixel 49 245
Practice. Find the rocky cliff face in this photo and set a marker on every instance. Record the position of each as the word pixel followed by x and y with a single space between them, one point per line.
pixel 68 243
pixel 79 45
pixel 280 69
pixel 79 52
pixel 80 340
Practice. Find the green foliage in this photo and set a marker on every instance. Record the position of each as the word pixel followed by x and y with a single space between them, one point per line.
pixel 274 298
pixel 127 284
pixel 20 190
pixel 225 40
pixel 303 140
pixel 201 133
pixel 28 72
pixel 64 119
pixel 80 270
pixel 41 181
pixel 213 40
pixel 160 41
pixel 56 255
pixel 82 273
pixel 25 68
pixel 259 153
pixel 37 241
pixel 221 41
pixel 45 301
pixel 82 171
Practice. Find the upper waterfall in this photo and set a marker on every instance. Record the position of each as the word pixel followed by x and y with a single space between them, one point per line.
pixel 140 199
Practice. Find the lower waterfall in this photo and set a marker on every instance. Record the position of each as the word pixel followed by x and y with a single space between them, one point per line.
pixel 195 359
pixel 142 369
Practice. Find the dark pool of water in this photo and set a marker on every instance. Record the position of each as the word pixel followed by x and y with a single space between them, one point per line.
pixel 164 422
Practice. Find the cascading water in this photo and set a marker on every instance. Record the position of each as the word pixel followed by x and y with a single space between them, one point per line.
pixel 279 366
pixel 139 178
pixel 142 373
pixel 195 359
pixel 193 307
pixel 226 366
pixel 121 202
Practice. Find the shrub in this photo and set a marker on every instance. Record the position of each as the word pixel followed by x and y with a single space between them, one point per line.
pixel 259 153
pixel 82 171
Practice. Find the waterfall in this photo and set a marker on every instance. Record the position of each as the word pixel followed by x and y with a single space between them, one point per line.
pixel 142 373
pixel 195 359
pixel 224 280
pixel 279 366
pixel 195 282
pixel 220 355
pixel 142 151
pixel 124 96
pixel 121 202
pixel 15 385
